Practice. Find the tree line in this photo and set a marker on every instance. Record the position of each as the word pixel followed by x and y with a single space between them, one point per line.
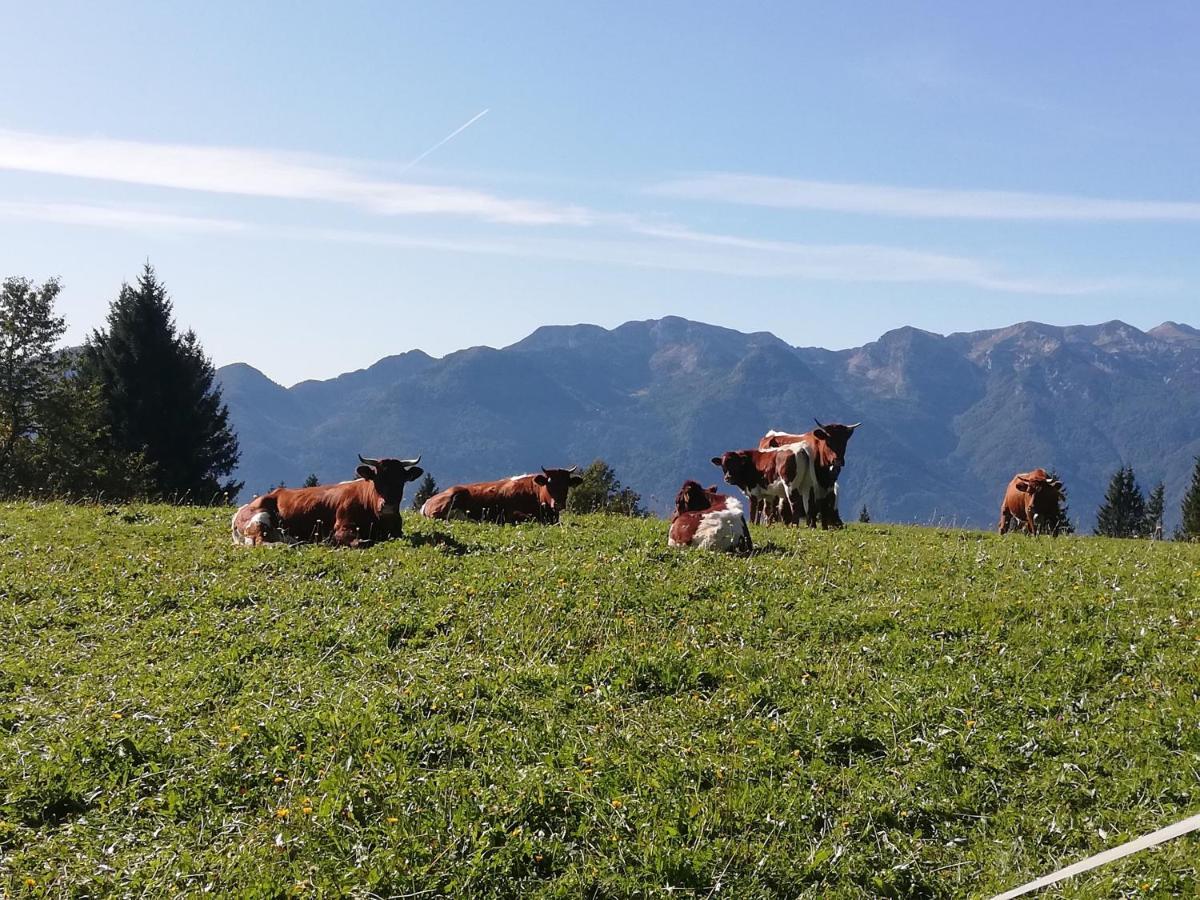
pixel 132 413
pixel 1126 512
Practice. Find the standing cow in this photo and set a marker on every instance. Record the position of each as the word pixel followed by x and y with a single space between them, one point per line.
pixel 780 473
pixel 1033 500
pixel 826 446
pixel 352 513
pixel 703 518
pixel 521 498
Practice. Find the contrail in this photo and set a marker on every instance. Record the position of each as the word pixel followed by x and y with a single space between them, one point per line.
pixel 457 131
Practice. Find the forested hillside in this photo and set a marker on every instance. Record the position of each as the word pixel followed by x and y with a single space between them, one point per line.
pixel 947 419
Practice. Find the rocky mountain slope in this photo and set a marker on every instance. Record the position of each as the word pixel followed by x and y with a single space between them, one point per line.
pixel 946 419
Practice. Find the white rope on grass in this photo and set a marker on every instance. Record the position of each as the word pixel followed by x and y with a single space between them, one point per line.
pixel 1127 849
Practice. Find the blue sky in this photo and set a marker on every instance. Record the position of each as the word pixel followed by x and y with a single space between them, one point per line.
pixel 822 173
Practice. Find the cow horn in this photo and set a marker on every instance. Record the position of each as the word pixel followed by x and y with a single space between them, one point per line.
pixel 408 463
pixel 368 462
pixel 818 421
pixel 571 470
pixel 855 425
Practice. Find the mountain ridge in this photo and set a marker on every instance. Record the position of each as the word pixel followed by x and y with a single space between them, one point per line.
pixel 947 418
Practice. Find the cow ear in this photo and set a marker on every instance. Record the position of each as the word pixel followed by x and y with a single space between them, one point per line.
pixel 365 472
pixel 576 481
pixel 716 460
pixel 1022 486
pixel 821 434
pixel 414 473
pixel 539 479
pixel 712 488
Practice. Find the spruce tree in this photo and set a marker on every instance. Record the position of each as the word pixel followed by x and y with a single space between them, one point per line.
pixel 159 396
pixel 1123 513
pixel 1189 528
pixel 311 480
pixel 601 491
pixel 28 367
pixel 1154 511
pixel 74 454
pixel 863 515
pixel 1063 525
pixel 426 489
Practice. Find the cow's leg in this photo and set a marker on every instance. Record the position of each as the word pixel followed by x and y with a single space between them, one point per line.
pixel 346 532
pixel 788 509
pixel 810 510
pixel 1005 521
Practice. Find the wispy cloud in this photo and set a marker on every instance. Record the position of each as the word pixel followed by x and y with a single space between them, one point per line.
pixel 640 246
pixel 266 173
pixel 882 263
pixel 924 203
pixel 122 217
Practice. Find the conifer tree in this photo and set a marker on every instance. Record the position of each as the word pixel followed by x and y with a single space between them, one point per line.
pixel 74 454
pixel 1154 511
pixel 863 515
pixel 1189 528
pixel 159 396
pixel 426 489
pixel 1123 513
pixel 28 365
pixel 601 491
pixel 311 480
pixel 1063 525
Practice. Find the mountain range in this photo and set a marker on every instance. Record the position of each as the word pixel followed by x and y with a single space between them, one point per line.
pixel 947 419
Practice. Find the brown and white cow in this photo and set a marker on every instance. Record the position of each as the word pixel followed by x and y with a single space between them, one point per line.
pixel 703 518
pixel 780 473
pixel 521 498
pixel 826 446
pixel 351 513
pixel 1033 501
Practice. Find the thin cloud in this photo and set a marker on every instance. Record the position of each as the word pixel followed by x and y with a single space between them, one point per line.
pixel 923 203
pixel 118 217
pixel 265 173
pixel 650 247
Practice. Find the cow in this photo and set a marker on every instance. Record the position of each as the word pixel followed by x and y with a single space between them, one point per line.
pixel 352 513
pixel 703 518
pixel 827 452
pixel 1033 500
pixel 521 498
pixel 780 473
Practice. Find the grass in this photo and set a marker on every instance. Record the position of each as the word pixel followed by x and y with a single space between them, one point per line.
pixel 580 712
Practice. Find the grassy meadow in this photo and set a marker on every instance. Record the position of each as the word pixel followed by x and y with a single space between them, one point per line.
pixel 578 711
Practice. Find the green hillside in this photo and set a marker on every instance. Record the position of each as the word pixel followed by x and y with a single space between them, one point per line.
pixel 581 712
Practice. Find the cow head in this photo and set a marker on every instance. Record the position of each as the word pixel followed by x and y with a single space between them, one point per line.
pixel 835 437
pixel 389 476
pixel 738 468
pixel 693 498
pixel 557 483
pixel 1043 498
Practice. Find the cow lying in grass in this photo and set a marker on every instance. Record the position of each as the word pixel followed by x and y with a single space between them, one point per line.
pixel 350 514
pixel 520 498
pixel 706 519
